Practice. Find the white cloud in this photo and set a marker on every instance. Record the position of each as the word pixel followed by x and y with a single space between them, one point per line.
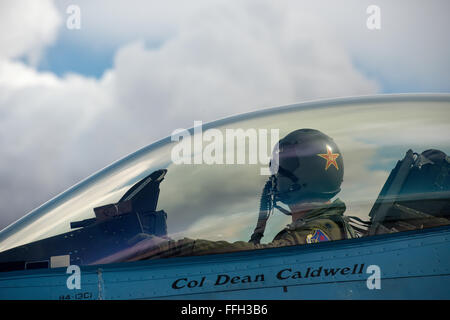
pixel 221 60
pixel 27 27
pixel 227 59
pixel 41 120
pixel 409 53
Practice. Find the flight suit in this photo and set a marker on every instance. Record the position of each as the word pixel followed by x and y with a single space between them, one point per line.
pixel 326 223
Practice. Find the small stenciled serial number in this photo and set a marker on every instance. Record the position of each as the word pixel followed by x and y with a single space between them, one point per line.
pixel 77 296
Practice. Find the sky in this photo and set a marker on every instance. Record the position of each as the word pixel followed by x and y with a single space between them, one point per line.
pixel 74 100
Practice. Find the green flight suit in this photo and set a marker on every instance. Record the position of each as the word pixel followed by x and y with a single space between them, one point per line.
pixel 326 223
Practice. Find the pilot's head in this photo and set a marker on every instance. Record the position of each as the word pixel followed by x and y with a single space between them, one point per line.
pixel 309 168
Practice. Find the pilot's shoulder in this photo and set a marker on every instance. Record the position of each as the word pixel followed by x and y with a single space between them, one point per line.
pixel 326 224
pixel 280 235
pixel 302 229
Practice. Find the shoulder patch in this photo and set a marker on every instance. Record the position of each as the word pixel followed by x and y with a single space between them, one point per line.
pixel 317 236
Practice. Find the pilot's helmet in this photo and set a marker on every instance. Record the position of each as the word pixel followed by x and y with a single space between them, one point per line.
pixel 309 167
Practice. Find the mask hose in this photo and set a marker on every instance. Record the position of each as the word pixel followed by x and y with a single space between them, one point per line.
pixel 265 210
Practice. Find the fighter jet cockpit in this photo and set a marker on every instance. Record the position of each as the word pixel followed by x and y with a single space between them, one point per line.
pixel 300 175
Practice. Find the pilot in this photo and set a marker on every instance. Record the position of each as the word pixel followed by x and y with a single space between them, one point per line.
pixel 307 175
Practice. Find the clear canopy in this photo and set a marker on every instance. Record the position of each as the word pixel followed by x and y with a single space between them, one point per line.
pixel 213 183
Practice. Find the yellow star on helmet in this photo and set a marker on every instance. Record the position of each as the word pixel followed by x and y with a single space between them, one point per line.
pixel 330 157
